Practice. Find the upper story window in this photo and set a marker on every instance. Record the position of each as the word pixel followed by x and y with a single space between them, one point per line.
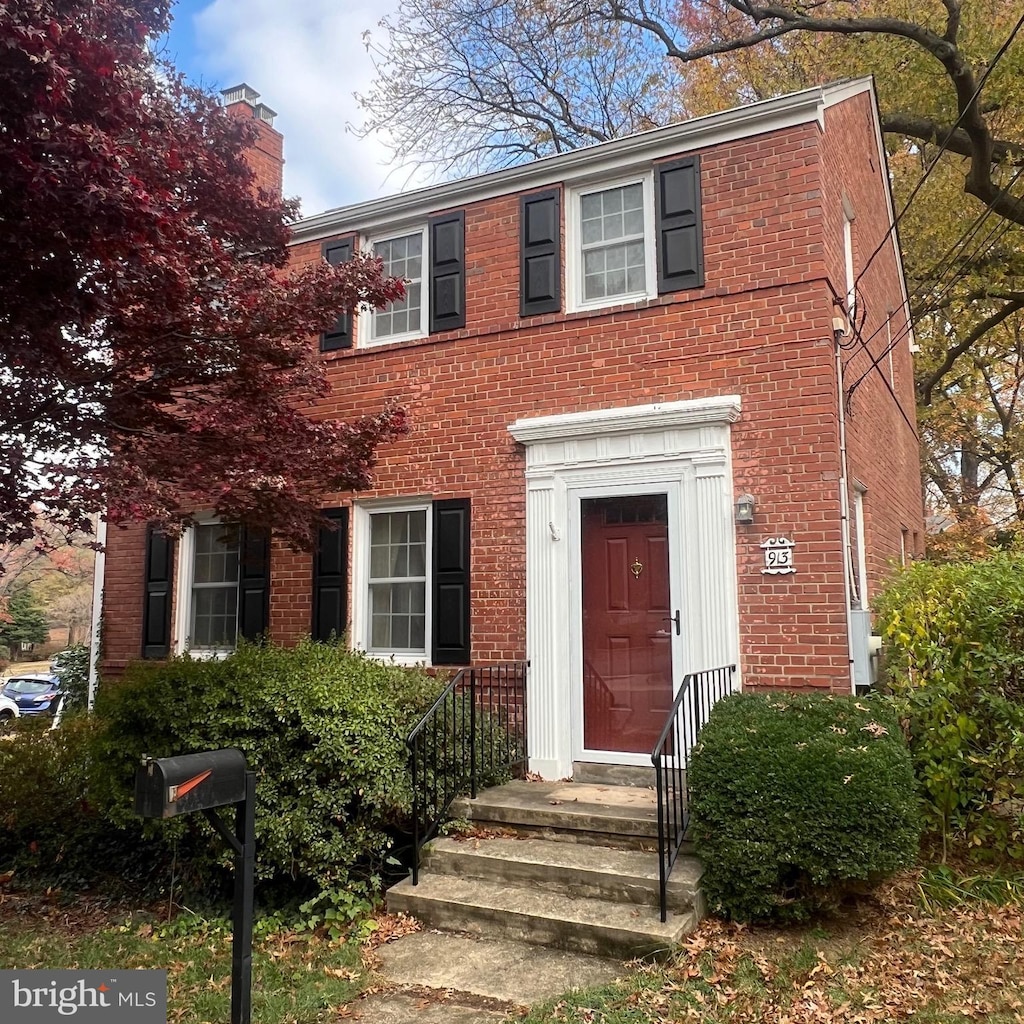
pixel 432 262
pixel 612 243
pixel 403 257
pixel 611 252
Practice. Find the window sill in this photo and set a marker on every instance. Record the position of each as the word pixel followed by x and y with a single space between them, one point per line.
pixel 391 339
pixel 405 660
pixel 611 302
pixel 205 653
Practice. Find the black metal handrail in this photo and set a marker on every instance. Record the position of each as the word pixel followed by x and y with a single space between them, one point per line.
pixel 671 756
pixel 473 732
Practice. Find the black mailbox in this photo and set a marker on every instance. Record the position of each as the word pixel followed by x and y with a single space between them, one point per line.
pixel 168 786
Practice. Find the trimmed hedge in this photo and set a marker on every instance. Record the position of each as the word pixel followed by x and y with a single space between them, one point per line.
pixel 322 727
pixel 796 799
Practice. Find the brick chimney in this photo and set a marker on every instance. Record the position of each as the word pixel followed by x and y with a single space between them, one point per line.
pixel 266 158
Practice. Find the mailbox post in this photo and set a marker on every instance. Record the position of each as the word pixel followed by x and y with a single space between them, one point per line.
pixel 168 786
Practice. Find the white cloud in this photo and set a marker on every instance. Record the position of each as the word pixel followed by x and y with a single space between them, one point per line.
pixel 305 58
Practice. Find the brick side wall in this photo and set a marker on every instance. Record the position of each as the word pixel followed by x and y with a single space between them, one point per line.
pixel 883 451
pixel 761 328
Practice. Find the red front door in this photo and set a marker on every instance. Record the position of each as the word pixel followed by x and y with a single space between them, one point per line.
pixel 627 624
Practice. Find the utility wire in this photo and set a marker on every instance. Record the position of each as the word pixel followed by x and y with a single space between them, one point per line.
pixel 988 242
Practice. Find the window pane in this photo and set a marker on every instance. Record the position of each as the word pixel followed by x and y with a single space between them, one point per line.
pixel 398 617
pixel 591 231
pixel 633 197
pixel 214 611
pixel 398 581
pixel 612 231
pixel 402 257
pixel 214 616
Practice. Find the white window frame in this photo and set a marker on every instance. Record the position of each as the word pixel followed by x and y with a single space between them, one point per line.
pixel 574 243
pixel 851 279
pixel 184 576
pixel 365 322
pixel 862 549
pixel 361 513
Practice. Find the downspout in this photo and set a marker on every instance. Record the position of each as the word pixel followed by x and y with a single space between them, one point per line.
pixel 844 501
pixel 99 567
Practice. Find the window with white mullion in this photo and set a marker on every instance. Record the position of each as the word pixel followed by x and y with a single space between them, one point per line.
pixel 397 581
pixel 402 257
pixel 214 604
pixel 612 243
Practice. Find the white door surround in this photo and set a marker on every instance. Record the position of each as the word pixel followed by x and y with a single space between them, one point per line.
pixel 682 448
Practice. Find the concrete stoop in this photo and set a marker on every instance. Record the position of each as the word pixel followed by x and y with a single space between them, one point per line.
pixel 573 866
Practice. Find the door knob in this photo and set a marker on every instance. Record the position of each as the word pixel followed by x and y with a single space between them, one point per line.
pixel 675 619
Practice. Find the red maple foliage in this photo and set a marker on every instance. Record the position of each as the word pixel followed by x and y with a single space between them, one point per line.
pixel 155 354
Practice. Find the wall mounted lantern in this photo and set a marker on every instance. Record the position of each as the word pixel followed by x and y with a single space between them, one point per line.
pixel 745 508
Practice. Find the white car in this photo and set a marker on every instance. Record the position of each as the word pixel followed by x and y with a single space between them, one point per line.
pixel 8 713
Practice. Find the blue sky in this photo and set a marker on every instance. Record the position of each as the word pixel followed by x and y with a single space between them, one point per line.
pixel 305 58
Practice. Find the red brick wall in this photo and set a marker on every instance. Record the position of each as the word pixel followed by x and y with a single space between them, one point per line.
pixel 266 157
pixel 883 450
pixel 760 328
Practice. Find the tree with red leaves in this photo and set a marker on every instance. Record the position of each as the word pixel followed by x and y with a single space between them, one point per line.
pixel 156 356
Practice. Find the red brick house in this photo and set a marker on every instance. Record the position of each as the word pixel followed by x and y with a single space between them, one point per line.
pixel 663 419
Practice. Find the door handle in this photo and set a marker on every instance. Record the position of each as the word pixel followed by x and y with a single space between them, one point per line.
pixel 675 619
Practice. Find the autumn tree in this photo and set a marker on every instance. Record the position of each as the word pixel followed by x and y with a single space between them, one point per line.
pixel 473 85
pixel 156 353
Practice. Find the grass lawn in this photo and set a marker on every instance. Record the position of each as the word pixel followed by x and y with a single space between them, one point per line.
pixel 884 959
pixel 296 979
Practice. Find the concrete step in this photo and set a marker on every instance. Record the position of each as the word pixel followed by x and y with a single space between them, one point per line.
pixel 625 816
pixel 573 869
pixel 585 925
pixel 613 774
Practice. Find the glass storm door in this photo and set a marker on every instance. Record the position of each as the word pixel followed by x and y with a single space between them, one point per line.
pixel 628 621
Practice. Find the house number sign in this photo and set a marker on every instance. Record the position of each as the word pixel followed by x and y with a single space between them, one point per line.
pixel 778 556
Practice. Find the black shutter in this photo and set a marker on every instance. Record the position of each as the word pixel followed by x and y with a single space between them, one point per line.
pixel 450 642
pixel 330 577
pixel 156 612
pixel 254 583
pixel 679 229
pixel 447 237
pixel 540 253
pixel 340 336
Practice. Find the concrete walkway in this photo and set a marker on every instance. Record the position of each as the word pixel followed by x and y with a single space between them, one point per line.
pixel 439 978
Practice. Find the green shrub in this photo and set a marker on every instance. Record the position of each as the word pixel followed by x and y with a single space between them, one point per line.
pixel 50 826
pixel 954 641
pixel 72 666
pixel 322 727
pixel 798 798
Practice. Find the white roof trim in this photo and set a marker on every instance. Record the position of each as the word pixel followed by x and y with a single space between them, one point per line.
pixel 604 159
pixel 690 412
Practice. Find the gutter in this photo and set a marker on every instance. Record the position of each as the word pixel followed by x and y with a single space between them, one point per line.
pixel 592 161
